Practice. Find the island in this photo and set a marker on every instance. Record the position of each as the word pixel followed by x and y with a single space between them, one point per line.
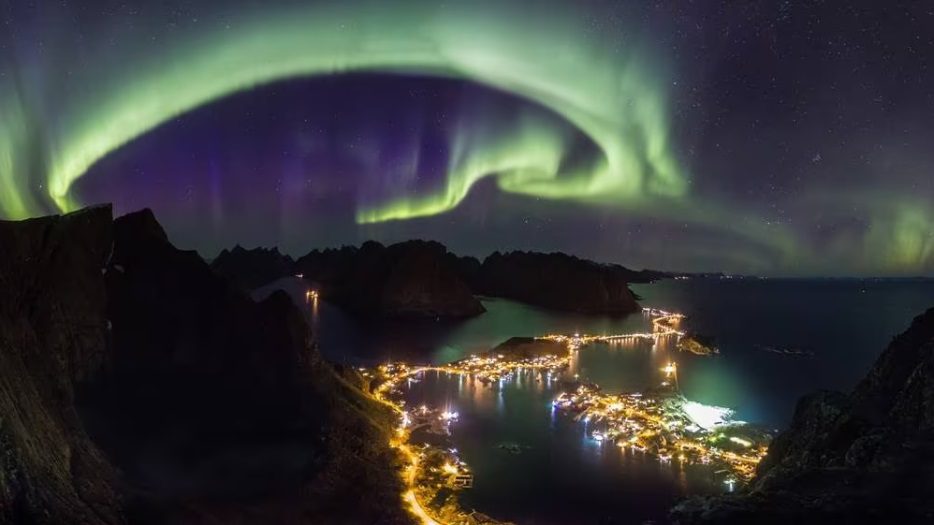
pixel 558 281
pixel 423 280
pixel 118 351
pixel 413 279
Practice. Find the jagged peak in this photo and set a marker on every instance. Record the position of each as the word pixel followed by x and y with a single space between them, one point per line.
pixel 142 222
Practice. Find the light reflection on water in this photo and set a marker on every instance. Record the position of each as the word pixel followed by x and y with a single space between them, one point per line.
pixel 560 473
pixel 563 476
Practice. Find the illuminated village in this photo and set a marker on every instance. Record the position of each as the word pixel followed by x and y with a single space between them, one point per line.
pixel 660 422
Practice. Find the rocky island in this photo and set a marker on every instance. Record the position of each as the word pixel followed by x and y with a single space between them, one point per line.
pixel 528 348
pixel 422 279
pixel 123 362
pixel 559 282
pixel 413 279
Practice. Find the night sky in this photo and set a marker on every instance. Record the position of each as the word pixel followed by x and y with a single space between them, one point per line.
pixel 777 138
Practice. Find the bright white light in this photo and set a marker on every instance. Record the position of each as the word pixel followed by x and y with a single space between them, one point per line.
pixel 706 416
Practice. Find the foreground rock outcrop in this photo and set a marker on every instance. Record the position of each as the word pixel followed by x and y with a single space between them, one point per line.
pixel 558 281
pixel 53 337
pixel 138 386
pixel 866 457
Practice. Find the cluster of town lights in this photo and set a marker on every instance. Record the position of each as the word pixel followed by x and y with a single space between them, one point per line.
pixel 659 423
pixel 664 324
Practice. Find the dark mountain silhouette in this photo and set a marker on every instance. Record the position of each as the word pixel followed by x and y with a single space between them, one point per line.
pixel 413 279
pixel 863 457
pixel 422 279
pixel 138 386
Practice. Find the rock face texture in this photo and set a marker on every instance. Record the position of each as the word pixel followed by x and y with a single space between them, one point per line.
pixel 413 279
pixel 52 337
pixel 120 353
pixel 558 281
pixel 250 269
pixel 866 457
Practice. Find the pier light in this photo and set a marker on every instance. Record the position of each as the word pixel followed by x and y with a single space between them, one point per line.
pixel 670 369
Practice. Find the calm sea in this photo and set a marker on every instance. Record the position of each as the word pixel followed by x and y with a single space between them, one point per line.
pixel 778 340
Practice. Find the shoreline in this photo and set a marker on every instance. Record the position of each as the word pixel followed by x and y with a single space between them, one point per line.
pixel 639 422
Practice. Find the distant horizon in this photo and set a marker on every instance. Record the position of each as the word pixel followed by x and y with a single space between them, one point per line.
pixel 676 236
pixel 674 273
pixel 694 273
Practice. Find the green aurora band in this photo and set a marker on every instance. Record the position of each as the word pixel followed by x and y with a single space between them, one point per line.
pixel 558 66
pixel 597 86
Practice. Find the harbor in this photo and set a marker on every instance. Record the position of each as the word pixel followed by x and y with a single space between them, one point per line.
pixel 659 424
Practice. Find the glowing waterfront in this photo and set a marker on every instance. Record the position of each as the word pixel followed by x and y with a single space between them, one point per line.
pixel 658 423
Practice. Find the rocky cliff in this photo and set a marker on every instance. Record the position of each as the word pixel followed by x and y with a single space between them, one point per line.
pixel 120 353
pixel 53 335
pixel 413 279
pixel 866 457
pixel 558 281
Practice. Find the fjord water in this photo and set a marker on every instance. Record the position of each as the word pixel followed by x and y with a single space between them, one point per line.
pixel 778 340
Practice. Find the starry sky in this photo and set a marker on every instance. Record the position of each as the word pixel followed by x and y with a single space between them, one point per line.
pixel 775 138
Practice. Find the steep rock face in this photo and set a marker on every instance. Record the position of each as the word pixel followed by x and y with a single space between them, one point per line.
pixel 119 351
pixel 557 281
pixel 218 407
pixel 413 279
pixel 250 269
pixel 169 311
pixel 52 339
pixel 863 457
pixel 184 345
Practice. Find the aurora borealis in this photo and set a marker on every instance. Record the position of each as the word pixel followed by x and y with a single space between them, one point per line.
pixel 767 139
